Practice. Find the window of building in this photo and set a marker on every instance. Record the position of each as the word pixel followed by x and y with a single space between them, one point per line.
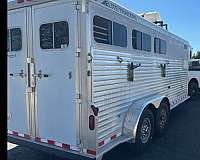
pixel 14 39
pixel 137 39
pixel 119 35
pixel 102 29
pixel 54 35
pixel 146 43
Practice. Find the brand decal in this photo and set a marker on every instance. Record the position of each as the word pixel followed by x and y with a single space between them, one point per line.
pixel 119 9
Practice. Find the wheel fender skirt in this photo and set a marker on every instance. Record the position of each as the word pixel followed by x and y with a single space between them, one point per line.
pixel 134 113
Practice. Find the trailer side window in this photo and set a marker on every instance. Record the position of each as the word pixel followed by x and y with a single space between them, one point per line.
pixel 137 39
pixel 54 35
pixel 160 46
pixel 163 46
pixel 146 43
pixel 14 39
pixel 102 30
pixel 119 35
pixel 156 45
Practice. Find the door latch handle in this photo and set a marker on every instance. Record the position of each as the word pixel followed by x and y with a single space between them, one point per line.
pixel 40 75
pixel 21 74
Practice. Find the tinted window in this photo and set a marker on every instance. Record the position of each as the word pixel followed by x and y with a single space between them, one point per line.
pixel 137 39
pixel 156 45
pixel 14 39
pixel 195 63
pixel 160 46
pixel 119 35
pixel 102 30
pixel 163 47
pixel 46 36
pixel 146 44
pixel 61 34
pixel 54 35
pixel 194 66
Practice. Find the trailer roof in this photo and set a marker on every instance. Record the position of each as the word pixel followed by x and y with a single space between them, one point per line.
pixel 111 5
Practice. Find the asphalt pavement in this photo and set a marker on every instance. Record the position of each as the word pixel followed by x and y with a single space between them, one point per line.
pixel 180 142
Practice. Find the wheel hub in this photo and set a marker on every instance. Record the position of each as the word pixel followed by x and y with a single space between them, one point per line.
pixel 163 118
pixel 145 130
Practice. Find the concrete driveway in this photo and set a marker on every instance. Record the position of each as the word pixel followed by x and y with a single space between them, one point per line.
pixel 181 141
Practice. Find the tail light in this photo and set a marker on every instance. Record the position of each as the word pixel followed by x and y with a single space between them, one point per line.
pixel 92 122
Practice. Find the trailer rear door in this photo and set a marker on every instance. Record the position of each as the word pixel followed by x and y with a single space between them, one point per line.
pixel 16 57
pixel 54 47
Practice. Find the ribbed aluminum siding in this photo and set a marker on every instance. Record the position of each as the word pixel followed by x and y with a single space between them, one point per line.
pixel 113 93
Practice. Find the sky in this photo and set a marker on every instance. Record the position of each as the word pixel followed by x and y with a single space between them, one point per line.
pixel 182 16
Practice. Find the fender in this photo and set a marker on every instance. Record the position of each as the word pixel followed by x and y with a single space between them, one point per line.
pixel 134 113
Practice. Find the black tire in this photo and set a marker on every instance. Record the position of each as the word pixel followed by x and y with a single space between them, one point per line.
pixel 141 142
pixel 193 89
pixel 162 117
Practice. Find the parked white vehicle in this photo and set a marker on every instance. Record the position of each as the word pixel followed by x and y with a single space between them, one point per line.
pixel 87 75
pixel 194 77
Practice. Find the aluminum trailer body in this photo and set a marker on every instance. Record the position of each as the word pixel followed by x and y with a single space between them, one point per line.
pixel 82 72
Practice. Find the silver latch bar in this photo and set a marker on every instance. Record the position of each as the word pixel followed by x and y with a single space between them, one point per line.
pixel 78 52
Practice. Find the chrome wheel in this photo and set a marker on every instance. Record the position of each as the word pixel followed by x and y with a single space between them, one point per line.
pixel 145 130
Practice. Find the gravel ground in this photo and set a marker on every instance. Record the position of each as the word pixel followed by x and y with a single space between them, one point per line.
pixel 181 141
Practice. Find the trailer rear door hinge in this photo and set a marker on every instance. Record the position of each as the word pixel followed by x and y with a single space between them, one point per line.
pixel 78 52
pixel 90 58
pixel 78 96
pixel 78 6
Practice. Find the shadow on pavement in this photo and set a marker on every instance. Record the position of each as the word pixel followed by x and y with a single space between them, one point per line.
pixel 22 153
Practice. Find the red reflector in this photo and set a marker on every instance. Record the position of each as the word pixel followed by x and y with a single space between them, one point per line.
pixel 113 137
pixel 27 136
pixel 51 142
pixel 91 152
pixel 65 146
pixel 20 1
pixel 92 122
pixel 15 133
pixel 101 143
pixel 38 139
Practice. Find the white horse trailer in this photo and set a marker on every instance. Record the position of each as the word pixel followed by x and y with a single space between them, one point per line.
pixel 87 75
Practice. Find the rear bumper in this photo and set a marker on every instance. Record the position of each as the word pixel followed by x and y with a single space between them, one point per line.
pixel 73 155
